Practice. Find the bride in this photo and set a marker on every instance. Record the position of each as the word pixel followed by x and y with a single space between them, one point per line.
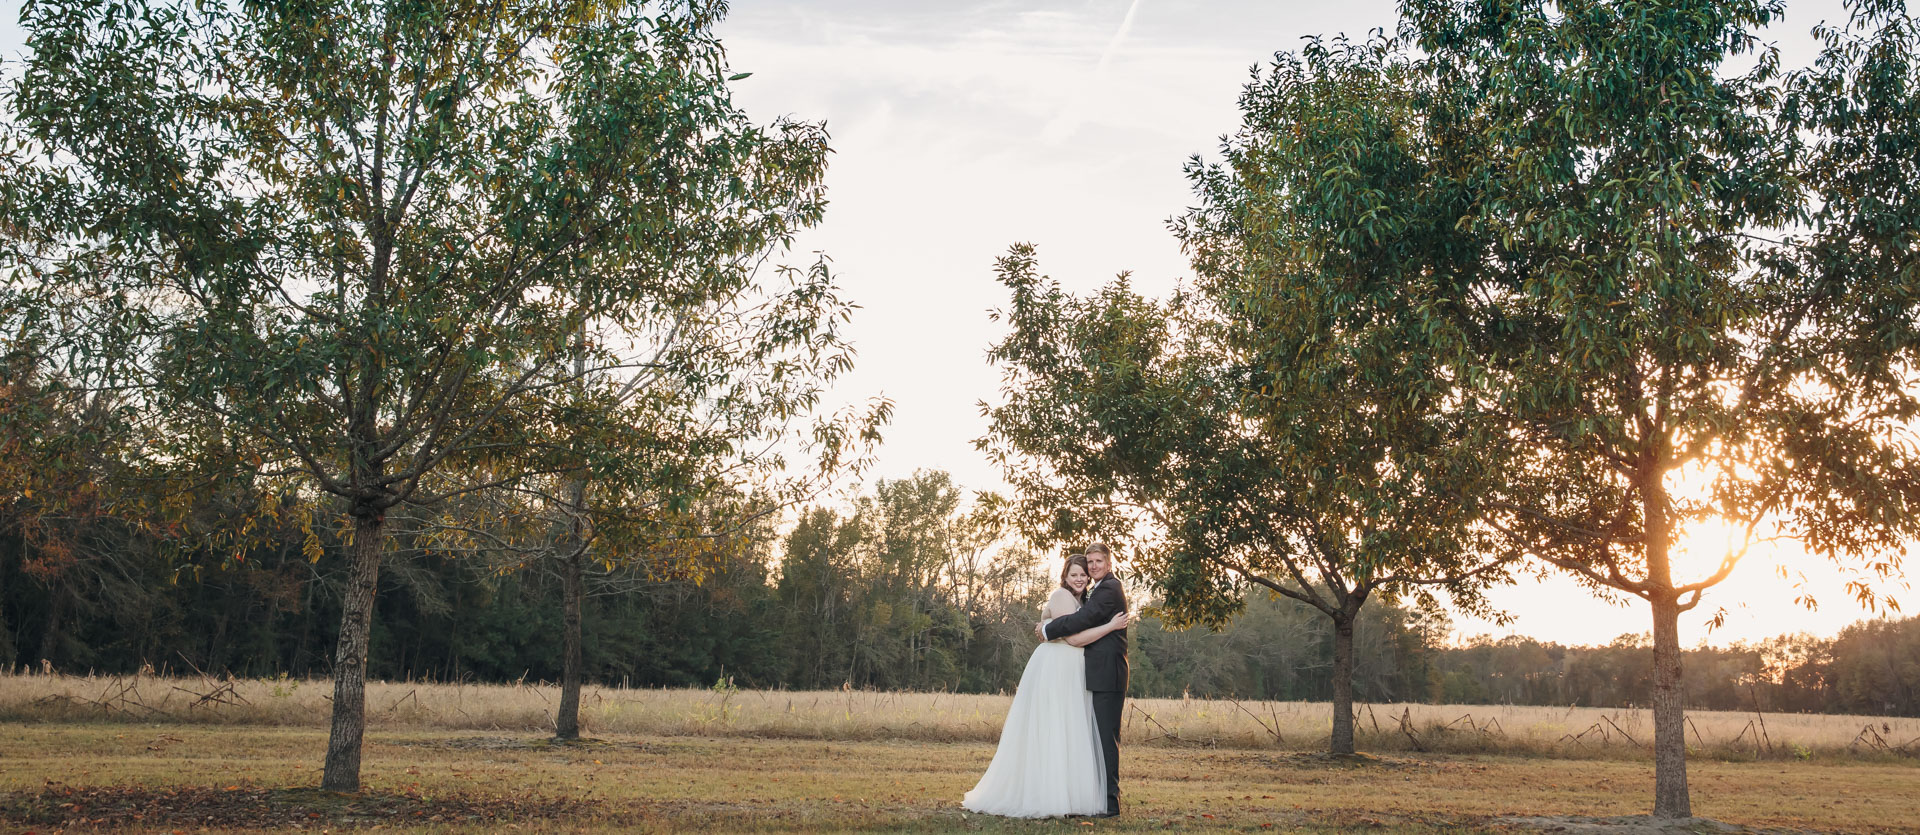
pixel 1048 762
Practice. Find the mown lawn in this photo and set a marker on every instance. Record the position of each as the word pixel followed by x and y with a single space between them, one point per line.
pixel 235 778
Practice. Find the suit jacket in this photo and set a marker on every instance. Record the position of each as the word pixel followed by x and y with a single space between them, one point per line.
pixel 1107 657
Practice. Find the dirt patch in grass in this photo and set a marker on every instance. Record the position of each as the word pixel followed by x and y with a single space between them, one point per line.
pixel 244 807
pixel 1306 760
pixel 515 743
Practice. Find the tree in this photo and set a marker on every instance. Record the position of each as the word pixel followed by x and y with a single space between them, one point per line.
pixel 1279 429
pixel 1690 298
pixel 87 502
pixel 360 237
pixel 904 592
pixel 1315 244
pixel 1281 649
pixel 60 451
pixel 712 402
pixel 1876 668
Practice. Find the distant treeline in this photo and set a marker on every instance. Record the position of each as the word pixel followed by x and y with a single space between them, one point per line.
pixel 902 591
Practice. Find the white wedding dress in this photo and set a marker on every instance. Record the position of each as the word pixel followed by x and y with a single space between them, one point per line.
pixel 1048 762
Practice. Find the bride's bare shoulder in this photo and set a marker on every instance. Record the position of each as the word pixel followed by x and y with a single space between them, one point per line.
pixel 1061 602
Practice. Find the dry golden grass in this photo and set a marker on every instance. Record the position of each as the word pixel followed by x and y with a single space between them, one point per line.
pixel 55 775
pixel 947 717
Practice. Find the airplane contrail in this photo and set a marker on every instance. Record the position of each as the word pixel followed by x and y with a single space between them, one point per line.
pixel 1126 23
pixel 1063 124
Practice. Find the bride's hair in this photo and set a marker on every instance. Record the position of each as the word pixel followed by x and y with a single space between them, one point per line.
pixel 1079 560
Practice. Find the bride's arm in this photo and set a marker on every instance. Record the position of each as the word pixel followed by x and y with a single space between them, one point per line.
pixel 1081 639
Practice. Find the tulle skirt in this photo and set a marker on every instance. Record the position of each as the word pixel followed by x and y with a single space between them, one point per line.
pixel 1048 762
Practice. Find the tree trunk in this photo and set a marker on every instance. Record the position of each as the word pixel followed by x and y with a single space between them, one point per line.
pixel 9 651
pixel 50 637
pixel 6 638
pixel 1342 742
pixel 302 653
pixel 573 590
pixel 215 655
pixel 350 658
pixel 1670 798
pixel 1669 701
pixel 566 722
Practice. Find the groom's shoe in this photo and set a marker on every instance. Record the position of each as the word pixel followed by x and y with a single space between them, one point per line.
pixel 1110 813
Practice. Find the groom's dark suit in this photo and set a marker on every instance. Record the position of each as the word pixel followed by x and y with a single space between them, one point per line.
pixel 1106 671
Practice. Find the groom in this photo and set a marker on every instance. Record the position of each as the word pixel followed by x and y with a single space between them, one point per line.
pixel 1106 660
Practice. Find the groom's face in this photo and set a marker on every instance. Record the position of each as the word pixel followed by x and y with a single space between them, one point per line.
pixel 1097 566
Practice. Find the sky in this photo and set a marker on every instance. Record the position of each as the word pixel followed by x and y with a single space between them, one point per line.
pixel 960 128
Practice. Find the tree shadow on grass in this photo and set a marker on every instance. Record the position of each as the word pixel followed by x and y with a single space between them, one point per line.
pixel 252 807
pixel 1639 825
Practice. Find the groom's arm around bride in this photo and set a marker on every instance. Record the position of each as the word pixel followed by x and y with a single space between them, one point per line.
pixel 1104 601
pixel 1107 657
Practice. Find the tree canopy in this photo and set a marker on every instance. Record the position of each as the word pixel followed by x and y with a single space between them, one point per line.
pixel 1684 298
pixel 360 240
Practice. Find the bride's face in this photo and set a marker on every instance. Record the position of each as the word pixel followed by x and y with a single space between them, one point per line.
pixel 1077 579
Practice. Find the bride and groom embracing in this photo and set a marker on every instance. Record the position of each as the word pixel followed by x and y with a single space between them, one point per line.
pixel 1059 751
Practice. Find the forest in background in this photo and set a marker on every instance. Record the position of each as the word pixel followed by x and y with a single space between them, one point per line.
pixel 906 589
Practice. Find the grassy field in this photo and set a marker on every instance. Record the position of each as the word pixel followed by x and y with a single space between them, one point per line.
pixel 229 778
pixel 946 717
pixel 193 755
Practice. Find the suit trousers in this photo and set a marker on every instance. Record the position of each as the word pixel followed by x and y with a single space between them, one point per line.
pixel 1107 707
